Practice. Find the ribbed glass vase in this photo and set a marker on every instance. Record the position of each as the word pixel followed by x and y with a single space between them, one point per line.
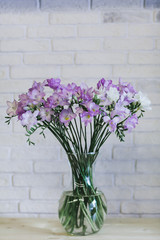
pixel 82 209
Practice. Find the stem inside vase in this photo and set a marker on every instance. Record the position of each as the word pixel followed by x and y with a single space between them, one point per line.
pixel 82 210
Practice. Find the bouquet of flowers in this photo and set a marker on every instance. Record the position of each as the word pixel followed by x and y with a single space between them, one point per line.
pixel 81 118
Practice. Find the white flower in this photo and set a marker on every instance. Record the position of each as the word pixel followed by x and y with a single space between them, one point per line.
pixel 12 108
pixel 144 101
pixel 113 94
pixel 29 119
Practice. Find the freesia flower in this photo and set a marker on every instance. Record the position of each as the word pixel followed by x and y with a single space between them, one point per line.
pixel 29 119
pixel 131 122
pixel 53 83
pixel 113 124
pixel 113 94
pixel 93 108
pixel 66 116
pixel 144 101
pixel 12 108
pixel 46 114
pixel 86 117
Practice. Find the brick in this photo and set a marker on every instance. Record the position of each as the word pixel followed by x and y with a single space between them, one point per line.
pixel 142 193
pixel 115 30
pixel 138 180
pixel 46 194
pixel 128 44
pixel 148 166
pixel 35 72
pixel 54 166
pixel 4 72
pixel 5 152
pixel 10 59
pixel 155 112
pixel 128 16
pixel 38 206
pixel 100 58
pixel 86 71
pixel 148 125
pixel 24 18
pixel 15 166
pixel 113 207
pixel 17 5
pixel 16 193
pixel 15 86
pixel 136 71
pixel 156 16
pixel 152 86
pixel 13 139
pixel 55 58
pixel 75 18
pixel 4 180
pixel 11 32
pixel 140 207
pixel 158 44
pixel 149 30
pixel 64 5
pixel 102 4
pixel 40 180
pixel 4 98
pixel 51 31
pixel 8 207
pixel 77 44
pixel 140 152
pixel 154 97
pixel 115 193
pixel 152 4
pixel 25 45
pixel 35 153
pixel 115 166
pixel 144 58
pixel 104 180
pixel 151 138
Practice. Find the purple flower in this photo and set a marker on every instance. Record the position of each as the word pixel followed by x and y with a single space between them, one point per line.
pixel 53 83
pixel 120 110
pixel 12 108
pixel 54 101
pixel 131 122
pixel 29 119
pixel 93 108
pixel 106 119
pixel 86 117
pixel 36 93
pixel 113 124
pixel 101 83
pixel 66 116
pixel 46 114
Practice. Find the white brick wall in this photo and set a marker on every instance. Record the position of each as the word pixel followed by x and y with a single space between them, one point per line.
pixel 81 47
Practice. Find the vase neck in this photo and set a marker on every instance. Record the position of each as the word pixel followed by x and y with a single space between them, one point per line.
pixel 82 167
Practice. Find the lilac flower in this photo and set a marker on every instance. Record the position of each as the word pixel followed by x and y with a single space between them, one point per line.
pixel 113 124
pixel 93 108
pixel 66 116
pixel 36 93
pixel 29 119
pixel 46 114
pixel 86 117
pixel 101 83
pixel 54 101
pixel 131 122
pixel 120 110
pixel 12 108
pixel 106 119
pixel 53 83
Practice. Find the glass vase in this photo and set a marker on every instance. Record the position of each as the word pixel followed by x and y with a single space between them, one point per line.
pixel 82 209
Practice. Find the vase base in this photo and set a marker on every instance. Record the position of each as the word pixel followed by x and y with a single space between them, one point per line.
pixel 82 215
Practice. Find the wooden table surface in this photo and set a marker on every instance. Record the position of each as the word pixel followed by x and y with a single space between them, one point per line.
pixel 47 229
